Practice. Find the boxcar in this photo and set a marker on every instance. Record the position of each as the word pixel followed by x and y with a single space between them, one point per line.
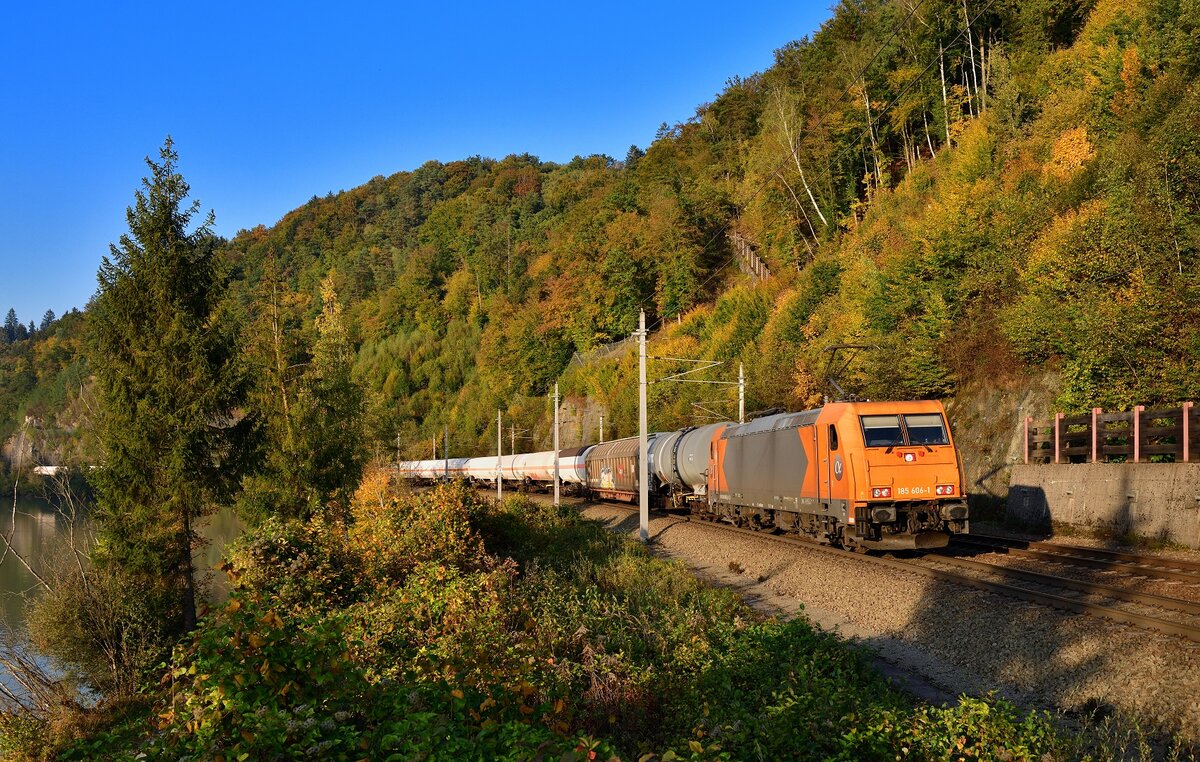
pixel 612 468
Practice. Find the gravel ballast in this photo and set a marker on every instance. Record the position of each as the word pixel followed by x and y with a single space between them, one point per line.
pixel 957 639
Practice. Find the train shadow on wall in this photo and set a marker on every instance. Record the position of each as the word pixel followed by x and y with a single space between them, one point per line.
pixel 1025 509
pixel 1030 510
pixel 989 498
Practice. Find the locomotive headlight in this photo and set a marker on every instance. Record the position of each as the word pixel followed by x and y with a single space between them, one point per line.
pixel 944 489
pixel 881 492
pixel 910 457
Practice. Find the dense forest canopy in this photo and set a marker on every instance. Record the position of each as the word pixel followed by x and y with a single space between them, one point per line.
pixel 979 188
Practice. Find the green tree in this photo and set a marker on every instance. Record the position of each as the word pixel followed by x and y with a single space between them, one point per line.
pixel 47 321
pixel 168 384
pixel 11 325
pixel 315 425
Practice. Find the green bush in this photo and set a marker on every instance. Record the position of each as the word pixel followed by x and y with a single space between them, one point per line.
pixel 520 631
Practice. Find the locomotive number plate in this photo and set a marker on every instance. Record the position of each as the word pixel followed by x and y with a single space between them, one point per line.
pixel 914 491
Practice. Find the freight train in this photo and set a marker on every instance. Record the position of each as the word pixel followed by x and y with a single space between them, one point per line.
pixel 860 475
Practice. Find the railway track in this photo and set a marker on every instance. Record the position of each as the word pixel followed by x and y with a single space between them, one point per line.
pixel 1093 558
pixel 926 566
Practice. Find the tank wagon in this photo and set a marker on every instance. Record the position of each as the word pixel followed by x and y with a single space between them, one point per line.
pixel 862 475
pixel 533 470
pixel 681 462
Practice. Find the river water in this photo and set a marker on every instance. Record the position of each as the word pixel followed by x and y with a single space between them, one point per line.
pixel 42 536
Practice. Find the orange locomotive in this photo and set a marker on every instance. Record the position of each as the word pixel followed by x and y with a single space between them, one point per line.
pixel 864 475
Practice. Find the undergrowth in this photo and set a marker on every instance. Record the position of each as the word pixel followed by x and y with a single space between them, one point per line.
pixel 443 626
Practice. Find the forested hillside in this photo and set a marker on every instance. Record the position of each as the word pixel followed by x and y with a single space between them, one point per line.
pixel 997 195
pixel 982 189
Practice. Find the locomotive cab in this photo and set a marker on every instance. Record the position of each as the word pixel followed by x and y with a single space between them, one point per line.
pixel 908 492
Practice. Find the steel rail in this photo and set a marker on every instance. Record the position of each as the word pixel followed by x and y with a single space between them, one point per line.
pixel 1116 593
pixel 1077 560
pixel 1083 550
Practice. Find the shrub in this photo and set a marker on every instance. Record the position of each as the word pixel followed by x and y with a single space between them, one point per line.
pixel 100 627
pixel 302 565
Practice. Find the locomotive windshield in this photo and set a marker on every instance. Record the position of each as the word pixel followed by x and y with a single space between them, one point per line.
pixel 918 429
pixel 882 430
pixel 926 429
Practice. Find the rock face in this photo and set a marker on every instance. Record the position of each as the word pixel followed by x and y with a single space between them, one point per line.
pixel 49 441
pixel 987 422
pixel 579 422
pixel 18 450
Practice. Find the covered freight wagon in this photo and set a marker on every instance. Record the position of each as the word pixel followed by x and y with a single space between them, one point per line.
pixel 612 468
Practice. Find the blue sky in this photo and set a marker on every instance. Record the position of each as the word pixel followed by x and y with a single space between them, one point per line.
pixel 272 104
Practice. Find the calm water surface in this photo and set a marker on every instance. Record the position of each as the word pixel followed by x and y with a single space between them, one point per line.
pixel 43 537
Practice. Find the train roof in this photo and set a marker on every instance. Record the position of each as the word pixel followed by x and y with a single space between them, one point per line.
pixel 773 422
pixel 809 417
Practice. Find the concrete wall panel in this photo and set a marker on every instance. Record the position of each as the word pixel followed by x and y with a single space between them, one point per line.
pixel 1154 500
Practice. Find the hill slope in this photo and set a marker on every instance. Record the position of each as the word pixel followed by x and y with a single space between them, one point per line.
pixel 984 191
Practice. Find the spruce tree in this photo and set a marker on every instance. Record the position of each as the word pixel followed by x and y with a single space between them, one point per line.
pixel 11 325
pixel 168 383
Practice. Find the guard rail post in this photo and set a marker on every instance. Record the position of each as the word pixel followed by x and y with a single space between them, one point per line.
pixel 1096 434
pixel 1028 421
pixel 1058 436
pixel 1187 430
pixel 1137 432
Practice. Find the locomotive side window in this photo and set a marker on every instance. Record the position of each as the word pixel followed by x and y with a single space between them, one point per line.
pixel 926 429
pixel 881 430
pixel 833 442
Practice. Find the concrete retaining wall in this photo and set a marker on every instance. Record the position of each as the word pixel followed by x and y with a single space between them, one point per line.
pixel 1155 500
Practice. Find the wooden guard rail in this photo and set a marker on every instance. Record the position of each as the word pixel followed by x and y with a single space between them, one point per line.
pixel 1135 436
pixel 748 261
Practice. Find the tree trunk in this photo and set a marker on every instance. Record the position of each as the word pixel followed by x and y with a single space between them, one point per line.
pixel 974 78
pixel 983 74
pixel 967 81
pixel 871 129
pixel 799 205
pixel 791 141
pixel 189 574
pixel 280 370
pixel 907 148
pixel 945 104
